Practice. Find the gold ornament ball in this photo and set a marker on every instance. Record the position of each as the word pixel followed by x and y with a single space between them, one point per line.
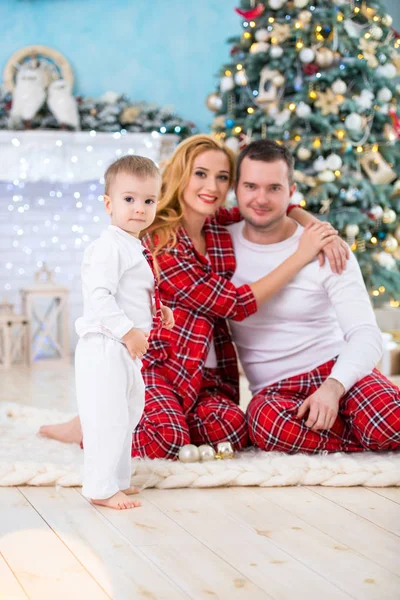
pixel 206 453
pixel 213 102
pixel 389 216
pixel 189 453
pixel 390 244
pixel 303 153
pixel 225 450
pixel 324 57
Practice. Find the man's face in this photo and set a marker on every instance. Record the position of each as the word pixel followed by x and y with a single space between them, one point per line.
pixel 263 192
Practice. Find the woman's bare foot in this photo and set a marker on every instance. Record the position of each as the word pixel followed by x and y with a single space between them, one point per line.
pixel 120 501
pixel 69 433
pixel 131 490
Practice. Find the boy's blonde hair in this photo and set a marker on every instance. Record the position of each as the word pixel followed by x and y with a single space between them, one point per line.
pixel 140 166
pixel 175 178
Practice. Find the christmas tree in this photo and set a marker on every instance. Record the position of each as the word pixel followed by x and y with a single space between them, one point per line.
pixel 320 77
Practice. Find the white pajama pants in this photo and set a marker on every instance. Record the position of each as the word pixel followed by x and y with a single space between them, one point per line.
pixel 110 396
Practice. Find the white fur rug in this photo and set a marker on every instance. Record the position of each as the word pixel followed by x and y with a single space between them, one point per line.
pixel 26 458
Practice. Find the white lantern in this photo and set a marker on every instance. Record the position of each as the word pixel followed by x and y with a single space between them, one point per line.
pixel 339 87
pixel 334 162
pixel 307 55
pixel 45 304
pixel 14 338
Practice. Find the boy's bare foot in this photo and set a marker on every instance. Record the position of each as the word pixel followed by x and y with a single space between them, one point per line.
pixel 131 490
pixel 120 501
pixel 69 433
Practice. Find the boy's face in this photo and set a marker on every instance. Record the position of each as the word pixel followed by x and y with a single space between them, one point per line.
pixel 132 202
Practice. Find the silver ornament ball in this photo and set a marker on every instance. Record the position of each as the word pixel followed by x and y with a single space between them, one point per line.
pixel 189 453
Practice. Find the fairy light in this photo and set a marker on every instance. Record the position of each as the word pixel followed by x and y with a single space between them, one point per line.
pixel 340 17
pixel 340 133
pixel 297 25
pixel 252 23
pixel 359 149
pixel 247 35
pixel 356 9
pixel 237 129
pixel 299 45
pixel 317 143
pixel 239 67
pixel 394 303
pixel 360 56
pixel 274 40
pixel 375 148
pixel 313 95
pixel 303 203
pixel 228 73
pixel 250 110
pixel 337 173
pixel 382 289
pixel 375 293
pixel 292 106
pixel 271 19
pixel 374 240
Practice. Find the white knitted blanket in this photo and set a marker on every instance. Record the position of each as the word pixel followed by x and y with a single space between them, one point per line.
pixel 26 458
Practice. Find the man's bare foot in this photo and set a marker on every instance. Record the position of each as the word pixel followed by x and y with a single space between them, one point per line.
pixel 131 490
pixel 69 433
pixel 120 501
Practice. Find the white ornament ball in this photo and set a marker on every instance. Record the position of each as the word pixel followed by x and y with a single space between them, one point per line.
pixel 278 80
pixel 385 95
pixel 389 216
pixel 206 453
pixel 376 32
pixel 351 195
pixel 387 20
pixel 259 47
pixel 307 55
pixel 339 87
pixel 390 244
pixel 276 4
pixel 324 57
pixel 233 143
pixel 303 110
pixel 276 51
pixel 334 162
pixel 340 2
pixel 297 197
pixel 303 153
pixel 353 121
pixel 388 70
pixel 326 176
pixel 189 453
pixel 352 230
pixel 226 83
pixel 385 260
pixel 300 3
pixel 319 164
pixel 240 78
pixel 376 212
pixel 262 35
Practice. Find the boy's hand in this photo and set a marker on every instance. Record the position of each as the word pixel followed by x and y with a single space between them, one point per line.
pixel 136 342
pixel 168 320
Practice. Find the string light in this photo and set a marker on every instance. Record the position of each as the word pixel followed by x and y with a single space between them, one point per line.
pixel 317 143
pixel 340 134
pixel 299 45
pixel 252 24
pixel 375 293
pixel 359 149
pixel 395 303
pixel 382 289
pixel 237 129
pixel 271 19
pixel 356 9
pixel 374 240
pixel 303 203
pixel 247 35
pixel 337 173
pixel 239 67
pixel 340 17
pixel 250 110
pixel 297 25
pixel 292 106
pixel 313 95
pixel 361 56
pixel 228 73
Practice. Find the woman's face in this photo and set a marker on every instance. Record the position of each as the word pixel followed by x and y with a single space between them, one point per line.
pixel 208 184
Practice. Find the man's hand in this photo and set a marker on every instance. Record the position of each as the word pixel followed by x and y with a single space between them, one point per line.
pixel 168 320
pixel 322 405
pixel 337 252
pixel 136 342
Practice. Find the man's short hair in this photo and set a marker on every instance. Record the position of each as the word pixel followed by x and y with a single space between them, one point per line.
pixel 267 151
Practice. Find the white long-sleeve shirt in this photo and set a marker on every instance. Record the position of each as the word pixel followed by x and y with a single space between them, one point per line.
pixel 314 318
pixel 117 285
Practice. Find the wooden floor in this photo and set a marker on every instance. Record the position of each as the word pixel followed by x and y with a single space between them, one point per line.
pixel 231 544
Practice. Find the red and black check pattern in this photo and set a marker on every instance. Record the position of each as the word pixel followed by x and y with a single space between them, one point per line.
pixel 369 416
pixel 164 426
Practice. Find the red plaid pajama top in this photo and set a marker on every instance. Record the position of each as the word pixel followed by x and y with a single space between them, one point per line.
pixel 201 297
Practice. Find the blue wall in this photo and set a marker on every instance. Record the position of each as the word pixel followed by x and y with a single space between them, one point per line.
pixel 162 51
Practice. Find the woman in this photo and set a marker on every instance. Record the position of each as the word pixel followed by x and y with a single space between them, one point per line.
pixel 191 372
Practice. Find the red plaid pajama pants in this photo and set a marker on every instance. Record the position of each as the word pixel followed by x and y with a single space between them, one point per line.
pixel 164 427
pixel 368 419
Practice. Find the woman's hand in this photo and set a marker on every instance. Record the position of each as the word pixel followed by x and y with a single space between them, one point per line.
pixel 314 238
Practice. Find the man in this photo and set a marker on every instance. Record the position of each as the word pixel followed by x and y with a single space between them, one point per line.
pixel 309 353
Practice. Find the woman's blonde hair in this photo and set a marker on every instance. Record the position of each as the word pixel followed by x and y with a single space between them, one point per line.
pixel 175 178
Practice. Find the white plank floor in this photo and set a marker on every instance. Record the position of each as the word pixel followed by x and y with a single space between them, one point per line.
pixel 229 544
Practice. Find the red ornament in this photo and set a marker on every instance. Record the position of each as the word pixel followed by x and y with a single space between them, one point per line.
pixel 395 121
pixel 310 69
pixel 251 14
pixel 234 50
